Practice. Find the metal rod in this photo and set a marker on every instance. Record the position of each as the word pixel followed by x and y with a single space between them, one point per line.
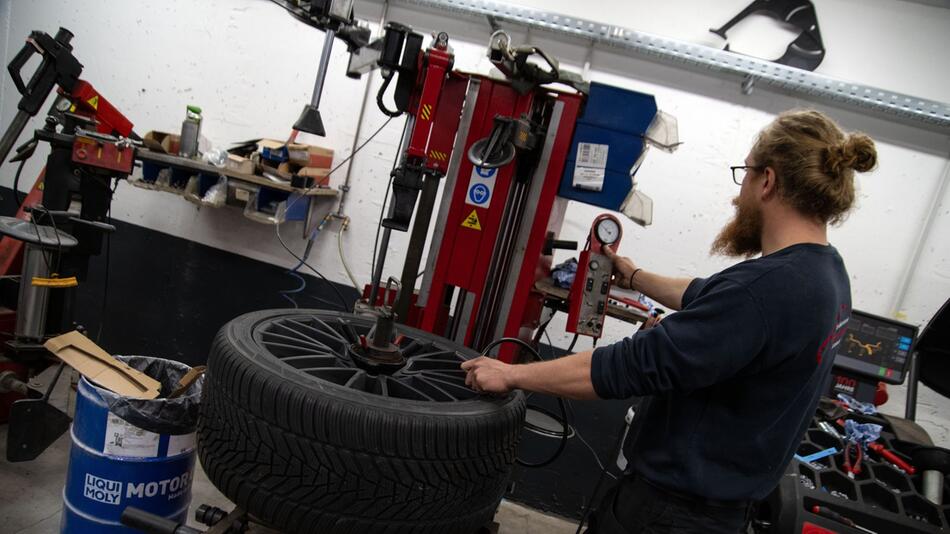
pixel 417 244
pixel 910 403
pixel 933 486
pixel 322 69
pixel 890 104
pixel 345 188
pixel 387 232
pixel 13 132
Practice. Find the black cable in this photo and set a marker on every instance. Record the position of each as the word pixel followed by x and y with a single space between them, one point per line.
pixel 59 243
pixel 382 209
pixel 565 426
pixel 600 479
pixel 570 348
pixel 105 278
pixel 36 227
pixel 382 91
pixel 52 384
pixel 16 184
pixel 379 222
pixel 277 226
pixel 318 273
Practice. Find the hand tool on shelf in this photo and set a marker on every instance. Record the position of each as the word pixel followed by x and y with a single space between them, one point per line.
pixel 824 511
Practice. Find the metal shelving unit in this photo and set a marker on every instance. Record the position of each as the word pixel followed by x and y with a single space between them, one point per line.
pixel 909 109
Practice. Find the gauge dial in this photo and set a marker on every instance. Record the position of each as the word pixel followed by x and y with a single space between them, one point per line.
pixel 607 231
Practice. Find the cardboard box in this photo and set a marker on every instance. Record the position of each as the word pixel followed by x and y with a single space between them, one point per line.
pixel 163 142
pixel 240 164
pixel 300 154
pixel 320 176
pixel 310 155
pixel 97 365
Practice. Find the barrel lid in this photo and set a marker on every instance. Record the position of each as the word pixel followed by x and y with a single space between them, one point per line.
pixel 37 234
pixel 933 351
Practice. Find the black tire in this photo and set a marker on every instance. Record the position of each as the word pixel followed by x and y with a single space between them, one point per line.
pixel 305 454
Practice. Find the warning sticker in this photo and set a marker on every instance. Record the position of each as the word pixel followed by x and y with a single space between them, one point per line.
pixel 480 187
pixel 590 166
pixel 472 221
pixel 125 439
pixel 94 102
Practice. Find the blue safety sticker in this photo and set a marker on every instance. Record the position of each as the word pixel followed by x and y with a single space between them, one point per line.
pixel 480 187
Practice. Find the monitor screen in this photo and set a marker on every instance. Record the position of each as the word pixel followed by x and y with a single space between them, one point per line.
pixel 876 347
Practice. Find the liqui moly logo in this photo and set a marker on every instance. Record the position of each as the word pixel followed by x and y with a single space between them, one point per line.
pixel 102 489
pixel 110 491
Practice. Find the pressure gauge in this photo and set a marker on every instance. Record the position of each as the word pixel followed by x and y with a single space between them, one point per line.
pixel 607 231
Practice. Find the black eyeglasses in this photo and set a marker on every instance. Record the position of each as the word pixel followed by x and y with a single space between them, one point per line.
pixel 737 178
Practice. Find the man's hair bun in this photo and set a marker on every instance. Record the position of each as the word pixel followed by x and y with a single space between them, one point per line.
pixel 856 152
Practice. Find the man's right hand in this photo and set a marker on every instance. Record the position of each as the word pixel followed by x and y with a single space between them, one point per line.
pixel 623 267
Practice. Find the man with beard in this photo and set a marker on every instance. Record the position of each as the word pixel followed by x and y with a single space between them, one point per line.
pixel 735 375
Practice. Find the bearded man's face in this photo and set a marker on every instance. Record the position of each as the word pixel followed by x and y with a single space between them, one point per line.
pixel 742 236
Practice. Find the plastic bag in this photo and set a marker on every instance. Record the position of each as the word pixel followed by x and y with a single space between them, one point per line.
pixel 162 415
pixel 861 433
pixel 564 273
pixel 855 405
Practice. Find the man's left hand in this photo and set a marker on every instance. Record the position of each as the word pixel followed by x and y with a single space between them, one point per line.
pixel 488 375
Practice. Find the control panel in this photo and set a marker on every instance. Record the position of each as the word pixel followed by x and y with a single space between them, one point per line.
pixel 587 305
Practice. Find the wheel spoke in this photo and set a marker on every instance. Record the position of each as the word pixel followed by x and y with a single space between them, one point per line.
pixel 433 364
pixel 301 334
pixel 329 332
pixel 414 346
pixel 298 341
pixel 357 381
pixel 348 330
pixel 398 388
pixel 381 381
pixel 319 344
pixel 448 383
pixel 280 353
pixel 447 373
pixel 434 355
pixel 337 375
pixel 322 360
pixel 433 388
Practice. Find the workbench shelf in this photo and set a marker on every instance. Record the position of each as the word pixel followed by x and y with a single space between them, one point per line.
pixel 262 199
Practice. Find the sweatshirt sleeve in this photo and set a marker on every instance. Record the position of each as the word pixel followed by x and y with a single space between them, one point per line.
pixel 719 332
pixel 692 290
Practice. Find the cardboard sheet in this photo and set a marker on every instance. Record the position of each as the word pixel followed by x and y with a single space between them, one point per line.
pixel 80 353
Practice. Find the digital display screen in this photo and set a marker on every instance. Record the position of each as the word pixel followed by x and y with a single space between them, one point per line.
pixel 876 347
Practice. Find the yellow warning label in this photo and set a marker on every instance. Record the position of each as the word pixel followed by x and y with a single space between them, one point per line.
pixel 438 155
pixel 472 221
pixel 426 111
pixel 94 102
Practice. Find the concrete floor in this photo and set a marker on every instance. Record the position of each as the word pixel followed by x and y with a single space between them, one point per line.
pixel 31 498
pixel 31 492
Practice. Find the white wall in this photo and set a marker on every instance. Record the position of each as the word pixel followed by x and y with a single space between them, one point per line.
pixel 251 68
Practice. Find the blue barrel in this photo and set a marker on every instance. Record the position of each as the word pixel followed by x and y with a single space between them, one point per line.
pixel 114 464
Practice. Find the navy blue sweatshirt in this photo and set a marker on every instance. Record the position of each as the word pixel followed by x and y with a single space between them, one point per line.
pixel 736 374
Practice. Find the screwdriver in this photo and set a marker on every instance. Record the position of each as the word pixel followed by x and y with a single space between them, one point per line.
pixel 835 516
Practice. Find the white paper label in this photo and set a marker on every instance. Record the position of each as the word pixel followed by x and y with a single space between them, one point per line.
pixel 181 444
pixel 590 165
pixel 125 439
pixel 242 194
pixel 589 178
pixel 480 187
